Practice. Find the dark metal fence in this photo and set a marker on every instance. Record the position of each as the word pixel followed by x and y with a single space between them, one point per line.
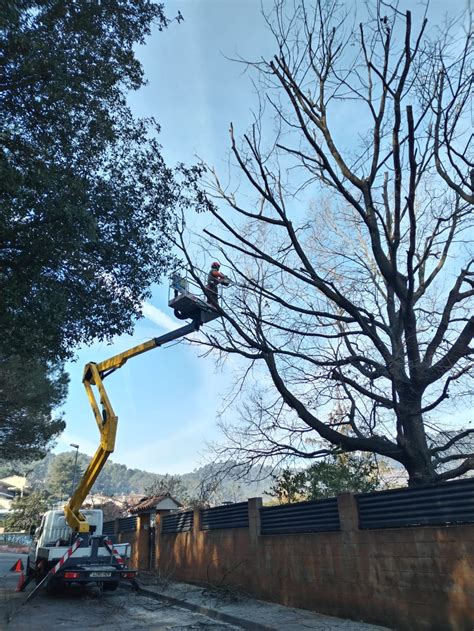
pixel 178 522
pixel 317 516
pixel 448 503
pixel 127 524
pixel 108 528
pixel 228 516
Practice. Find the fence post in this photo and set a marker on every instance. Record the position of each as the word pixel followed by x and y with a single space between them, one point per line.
pixel 196 521
pixel 254 506
pixel 143 541
pixel 348 512
pixel 158 527
pixel 116 530
pixel 159 524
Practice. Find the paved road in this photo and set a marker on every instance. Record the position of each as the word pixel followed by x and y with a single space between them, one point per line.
pixel 86 608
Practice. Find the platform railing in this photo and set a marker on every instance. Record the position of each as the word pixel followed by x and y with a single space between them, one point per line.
pixel 184 282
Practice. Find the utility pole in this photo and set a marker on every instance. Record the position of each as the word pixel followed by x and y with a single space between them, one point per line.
pixel 76 447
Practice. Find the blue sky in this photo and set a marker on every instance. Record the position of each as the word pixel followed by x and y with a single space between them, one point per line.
pixel 167 400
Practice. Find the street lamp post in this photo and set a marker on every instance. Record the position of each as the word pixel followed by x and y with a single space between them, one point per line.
pixel 76 447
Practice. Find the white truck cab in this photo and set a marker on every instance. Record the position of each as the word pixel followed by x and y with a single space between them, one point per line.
pixel 54 532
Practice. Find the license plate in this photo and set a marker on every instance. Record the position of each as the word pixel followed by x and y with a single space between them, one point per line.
pixel 100 574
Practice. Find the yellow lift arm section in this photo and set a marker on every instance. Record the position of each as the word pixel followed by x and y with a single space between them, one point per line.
pixel 94 375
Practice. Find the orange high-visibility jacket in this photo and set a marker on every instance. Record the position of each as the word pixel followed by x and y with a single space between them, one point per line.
pixel 214 277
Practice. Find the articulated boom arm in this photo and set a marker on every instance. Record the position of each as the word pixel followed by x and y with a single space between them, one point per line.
pixel 106 420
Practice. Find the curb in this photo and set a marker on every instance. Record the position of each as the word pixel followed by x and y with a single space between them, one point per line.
pixel 207 611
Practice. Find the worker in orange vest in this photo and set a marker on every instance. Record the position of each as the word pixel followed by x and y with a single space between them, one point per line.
pixel 215 278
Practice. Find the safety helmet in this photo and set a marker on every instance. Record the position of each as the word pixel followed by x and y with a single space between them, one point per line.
pixel 216 265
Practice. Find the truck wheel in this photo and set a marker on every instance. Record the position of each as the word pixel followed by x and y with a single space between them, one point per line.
pixel 110 587
pixel 40 572
pixel 53 586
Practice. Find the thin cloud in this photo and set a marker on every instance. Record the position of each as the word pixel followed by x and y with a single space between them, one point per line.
pixel 86 446
pixel 158 317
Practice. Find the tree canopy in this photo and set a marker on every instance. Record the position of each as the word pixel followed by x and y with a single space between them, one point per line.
pixel 26 408
pixel 346 233
pixel 85 194
pixel 329 477
pixel 64 473
pixel 27 511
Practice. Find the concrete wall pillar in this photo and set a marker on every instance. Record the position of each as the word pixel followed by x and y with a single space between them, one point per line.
pixel 158 525
pixel 255 504
pixel 196 521
pixel 348 512
pixel 352 566
pixel 143 541
pixel 116 530
pixel 158 528
pixel 255 550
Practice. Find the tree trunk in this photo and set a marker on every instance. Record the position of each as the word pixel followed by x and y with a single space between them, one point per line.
pixel 419 463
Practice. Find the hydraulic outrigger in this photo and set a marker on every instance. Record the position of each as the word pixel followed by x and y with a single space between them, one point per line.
pixel 106 419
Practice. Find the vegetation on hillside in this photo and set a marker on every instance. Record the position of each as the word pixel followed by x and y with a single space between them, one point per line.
pixel 54 475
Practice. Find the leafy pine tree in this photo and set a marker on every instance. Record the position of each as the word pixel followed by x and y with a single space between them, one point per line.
pixel 61 476
pixel 85 197
pixel 27 424
pixel 26 511
pixel 85 193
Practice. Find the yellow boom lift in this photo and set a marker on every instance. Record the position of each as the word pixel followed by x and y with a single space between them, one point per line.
pixel 189 306
pixel 69 546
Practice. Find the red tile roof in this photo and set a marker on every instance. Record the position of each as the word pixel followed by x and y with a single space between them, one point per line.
pixel 148 504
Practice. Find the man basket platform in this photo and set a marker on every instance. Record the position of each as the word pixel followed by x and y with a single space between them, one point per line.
pixel 185 302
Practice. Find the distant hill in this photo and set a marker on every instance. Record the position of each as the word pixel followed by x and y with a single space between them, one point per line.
pixel 117 479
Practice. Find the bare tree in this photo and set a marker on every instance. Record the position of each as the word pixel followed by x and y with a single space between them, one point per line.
pixel 347 236
pixel 167 484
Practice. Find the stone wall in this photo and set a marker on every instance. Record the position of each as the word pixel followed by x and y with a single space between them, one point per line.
pixel 404 578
